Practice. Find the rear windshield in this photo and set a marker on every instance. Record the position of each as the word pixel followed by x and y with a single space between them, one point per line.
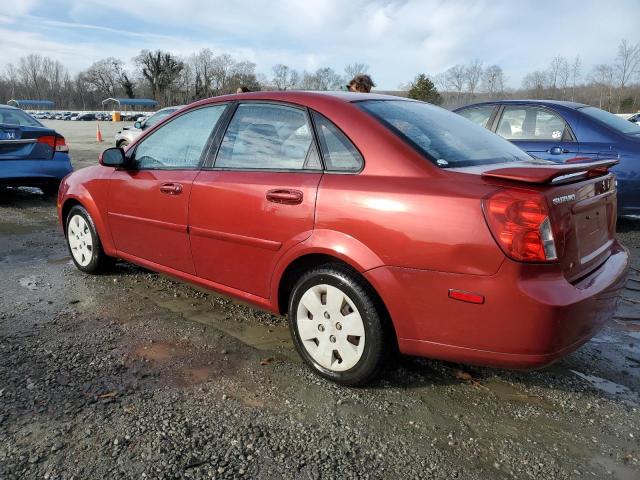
pixel 619 124
pixel 445 138
pixel 10 116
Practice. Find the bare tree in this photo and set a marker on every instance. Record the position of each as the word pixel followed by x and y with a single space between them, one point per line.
pixel 535 83
pixel 493 81
pixel 472 75
pixel 564 76
pixel 161 70
pixel 284 77
pixel 626 66
pixel 455 80
pixel 354 69
pixel 576 68
pixel 105 76
pixel 602 76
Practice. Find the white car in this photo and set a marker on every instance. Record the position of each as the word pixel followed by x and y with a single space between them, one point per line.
pixel 128 134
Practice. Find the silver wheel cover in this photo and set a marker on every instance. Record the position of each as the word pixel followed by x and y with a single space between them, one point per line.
pixel 330 327
pixel 80 240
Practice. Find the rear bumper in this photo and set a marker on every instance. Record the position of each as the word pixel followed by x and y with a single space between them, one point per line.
pixel 531 315
pixel 35 172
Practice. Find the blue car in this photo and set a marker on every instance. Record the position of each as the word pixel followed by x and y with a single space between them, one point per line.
pixel 30 153
pixel 567 131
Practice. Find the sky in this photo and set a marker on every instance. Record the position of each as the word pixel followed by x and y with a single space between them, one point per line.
pixel 396 38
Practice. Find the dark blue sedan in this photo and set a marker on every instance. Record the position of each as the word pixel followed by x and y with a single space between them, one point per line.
pixel 30 153
pixel 561 131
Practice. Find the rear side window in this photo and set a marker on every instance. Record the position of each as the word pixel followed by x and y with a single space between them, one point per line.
pixel 268 137
pixel 338 152
pixel 179 143
pixel 478 115
pixel 532 123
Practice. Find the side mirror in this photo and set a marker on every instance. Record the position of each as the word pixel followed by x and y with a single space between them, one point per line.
pixel 112 157
pixel 138 125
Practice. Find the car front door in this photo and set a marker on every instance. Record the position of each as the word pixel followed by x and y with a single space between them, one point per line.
pixel 538 131
pixel 258 199
pixel 149 199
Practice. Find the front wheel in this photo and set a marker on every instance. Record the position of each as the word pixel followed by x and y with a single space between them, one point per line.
pixel 337 325
pixel 84 243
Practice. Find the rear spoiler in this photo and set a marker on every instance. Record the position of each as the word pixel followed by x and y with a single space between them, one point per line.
pixel 557 173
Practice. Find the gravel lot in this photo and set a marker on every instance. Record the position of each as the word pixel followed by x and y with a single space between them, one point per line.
pixel 133 375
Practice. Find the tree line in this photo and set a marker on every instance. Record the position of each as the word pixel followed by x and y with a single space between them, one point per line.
pixel 174 80
pixel 611 86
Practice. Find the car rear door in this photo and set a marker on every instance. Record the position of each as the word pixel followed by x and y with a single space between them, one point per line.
pixel 539 131
pixel 257 197
pixel 149 200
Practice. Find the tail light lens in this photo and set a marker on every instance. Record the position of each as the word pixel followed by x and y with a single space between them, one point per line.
pixel 519 221
pixel 56 142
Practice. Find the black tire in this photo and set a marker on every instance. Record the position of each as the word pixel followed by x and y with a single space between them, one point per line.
pixel 376 327
pixel 99 261
pixel 122 144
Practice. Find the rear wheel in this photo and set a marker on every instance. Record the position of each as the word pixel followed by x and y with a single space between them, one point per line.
pixel 337 325
pixel 84 243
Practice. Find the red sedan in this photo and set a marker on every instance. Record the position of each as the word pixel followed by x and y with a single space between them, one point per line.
pixel 376 223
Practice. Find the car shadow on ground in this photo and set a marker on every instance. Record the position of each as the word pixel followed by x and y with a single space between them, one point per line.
pixel 24 197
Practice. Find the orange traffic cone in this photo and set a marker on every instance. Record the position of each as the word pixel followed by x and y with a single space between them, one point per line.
pixel 99 135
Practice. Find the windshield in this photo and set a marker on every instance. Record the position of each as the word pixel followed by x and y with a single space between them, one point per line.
pixel 156 117
pixel 443 137
pixel 10 116
pixel 619 124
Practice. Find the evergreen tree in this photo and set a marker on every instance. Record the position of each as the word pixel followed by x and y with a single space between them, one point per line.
pixel 422 88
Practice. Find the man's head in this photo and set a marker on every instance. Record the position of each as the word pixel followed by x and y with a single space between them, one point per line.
pixel 242 89
pixel 361 83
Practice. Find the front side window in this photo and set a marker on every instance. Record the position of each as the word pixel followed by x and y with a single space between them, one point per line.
pixel 531 123
pixel 337 150
pixel 478 115
pixel 179 143
pixel 268 137
pixel 443 137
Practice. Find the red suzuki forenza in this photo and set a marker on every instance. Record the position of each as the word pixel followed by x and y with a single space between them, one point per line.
pixel 376 223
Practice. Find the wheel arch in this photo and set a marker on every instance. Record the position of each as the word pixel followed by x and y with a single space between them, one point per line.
pixel 89 205
pixel 308 261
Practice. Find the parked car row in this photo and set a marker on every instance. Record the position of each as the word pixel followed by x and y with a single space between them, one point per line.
pixel 376 223
pixel 77 116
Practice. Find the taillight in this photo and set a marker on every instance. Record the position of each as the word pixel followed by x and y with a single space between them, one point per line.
pixel 56 142
pixel 519 221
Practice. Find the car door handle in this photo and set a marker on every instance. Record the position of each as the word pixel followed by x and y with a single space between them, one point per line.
pixel 285 197
pixel 557 150
pixel 171 188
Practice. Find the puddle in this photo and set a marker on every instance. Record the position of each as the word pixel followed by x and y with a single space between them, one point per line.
pixel 60 260
pixel 619 472
pixel 158 352
pixel 510 393
pixel 11 228
pixel 612 388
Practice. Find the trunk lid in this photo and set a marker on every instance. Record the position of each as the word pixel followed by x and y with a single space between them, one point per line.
pixel 581 198
pixel 21 142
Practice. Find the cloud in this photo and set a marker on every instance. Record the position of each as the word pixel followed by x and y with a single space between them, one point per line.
pixel 397 38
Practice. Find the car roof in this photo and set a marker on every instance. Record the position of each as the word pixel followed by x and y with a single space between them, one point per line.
pixel 549 103
pixel 303 97
pixel 8 106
